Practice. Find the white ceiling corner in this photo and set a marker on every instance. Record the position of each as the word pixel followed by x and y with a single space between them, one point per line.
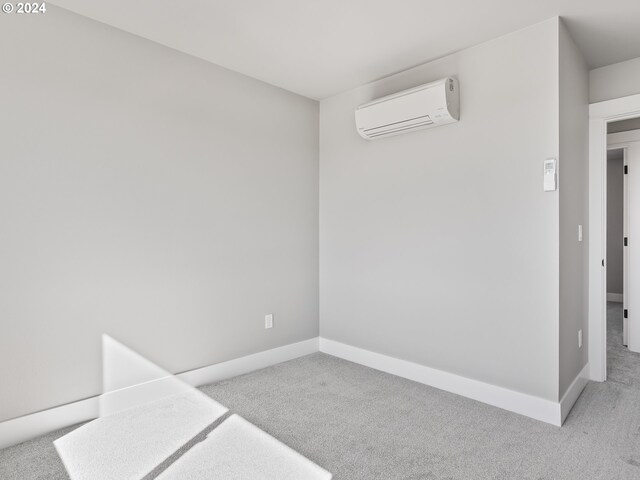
pixel 320 48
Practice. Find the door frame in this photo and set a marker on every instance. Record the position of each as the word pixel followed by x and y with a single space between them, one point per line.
pixel 600 114
pixel 624 141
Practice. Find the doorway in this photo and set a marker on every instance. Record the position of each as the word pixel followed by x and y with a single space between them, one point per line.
pixel 602 115
pixel 616 195
pixel 623 162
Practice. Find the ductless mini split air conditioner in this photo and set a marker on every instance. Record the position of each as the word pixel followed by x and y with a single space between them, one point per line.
pixel 426 106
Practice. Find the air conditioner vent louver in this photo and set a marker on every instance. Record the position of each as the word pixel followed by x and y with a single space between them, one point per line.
pixel 421 107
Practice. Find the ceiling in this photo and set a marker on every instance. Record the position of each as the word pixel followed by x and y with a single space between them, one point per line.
pixel 318 48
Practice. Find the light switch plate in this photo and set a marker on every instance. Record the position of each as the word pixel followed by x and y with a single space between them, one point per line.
pixel 550 175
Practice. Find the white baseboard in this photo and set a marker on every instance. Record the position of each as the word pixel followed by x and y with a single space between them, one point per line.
pixel 250 363
pixel 24 428
pixel 573 392
pixel 522 403
pixel 30 426
pixel 614 297
pixel 21 429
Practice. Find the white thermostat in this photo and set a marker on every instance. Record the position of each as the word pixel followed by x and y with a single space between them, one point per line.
pixel 550 175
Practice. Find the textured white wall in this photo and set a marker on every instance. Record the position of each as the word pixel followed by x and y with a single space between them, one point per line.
pixel 574 204
pixel 440 246
pixel 148 195
pixel 614 81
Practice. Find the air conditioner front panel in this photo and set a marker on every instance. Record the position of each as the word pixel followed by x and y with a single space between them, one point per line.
pixel 425 120
pixel 421 107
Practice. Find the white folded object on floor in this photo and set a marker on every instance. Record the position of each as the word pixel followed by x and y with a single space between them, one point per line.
pixel 238 450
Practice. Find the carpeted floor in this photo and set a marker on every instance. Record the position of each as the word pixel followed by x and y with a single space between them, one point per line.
pixel 359 423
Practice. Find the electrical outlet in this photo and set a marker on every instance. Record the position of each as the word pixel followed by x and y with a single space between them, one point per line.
pixel 268 321
pixel 580 338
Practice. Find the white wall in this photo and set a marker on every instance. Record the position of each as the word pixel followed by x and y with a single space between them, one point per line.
pixel 574 202
pixel 624 125
pixel 440 246
pixel 149 195
pixel 614 81
pixel 615 222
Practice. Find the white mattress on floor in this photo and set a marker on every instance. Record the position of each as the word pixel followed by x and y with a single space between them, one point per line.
pixel 130 444
pixel 238 450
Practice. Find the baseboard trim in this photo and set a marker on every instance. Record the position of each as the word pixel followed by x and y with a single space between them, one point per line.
pixel 33 425
pixel 615 297
pixel 573 392
pixel 249 363
pixel 21 429
pixel 517 402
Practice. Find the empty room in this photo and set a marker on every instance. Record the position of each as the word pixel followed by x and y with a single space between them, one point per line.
pixel 298 240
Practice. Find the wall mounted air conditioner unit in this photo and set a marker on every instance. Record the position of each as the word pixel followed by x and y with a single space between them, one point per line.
pixel 426 106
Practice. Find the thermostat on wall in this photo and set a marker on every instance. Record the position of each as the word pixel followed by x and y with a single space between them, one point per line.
pixel 550 175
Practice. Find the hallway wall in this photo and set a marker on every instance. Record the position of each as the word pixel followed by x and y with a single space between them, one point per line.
pixel 615 205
